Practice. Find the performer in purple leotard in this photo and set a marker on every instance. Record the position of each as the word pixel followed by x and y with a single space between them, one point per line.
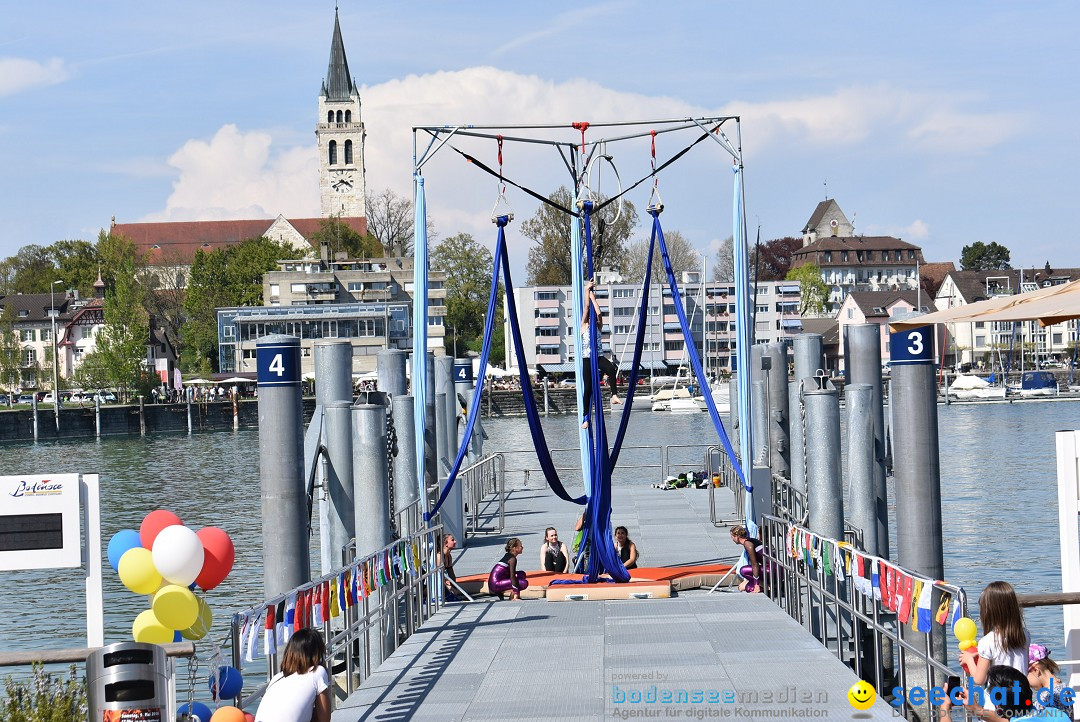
pixel 505 575
pixel 751 573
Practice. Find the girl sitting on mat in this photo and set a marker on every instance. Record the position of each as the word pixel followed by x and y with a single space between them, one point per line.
pixel 554 557
pixel 606 367
pixel 626 548
pixel 751 573
pixel 505 575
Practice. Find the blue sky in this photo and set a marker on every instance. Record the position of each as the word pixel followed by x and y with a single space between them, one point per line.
pixel 941 123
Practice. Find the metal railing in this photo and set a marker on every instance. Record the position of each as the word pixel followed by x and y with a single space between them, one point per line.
pixel 633 458
pixel 386 616
pixel 851 622
pixel 485 477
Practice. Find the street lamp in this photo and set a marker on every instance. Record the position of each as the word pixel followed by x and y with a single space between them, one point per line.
pixel 55 361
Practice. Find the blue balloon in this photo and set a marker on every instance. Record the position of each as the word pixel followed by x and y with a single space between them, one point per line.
pixel 231 683
pixel 198 711
pixel 121 542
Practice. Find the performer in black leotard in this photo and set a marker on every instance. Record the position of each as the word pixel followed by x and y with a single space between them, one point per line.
pixel 554 556
pixel 751 573
pixel 627 549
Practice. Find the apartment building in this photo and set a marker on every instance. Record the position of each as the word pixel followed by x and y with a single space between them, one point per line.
pixel 548 323
pixel 368 301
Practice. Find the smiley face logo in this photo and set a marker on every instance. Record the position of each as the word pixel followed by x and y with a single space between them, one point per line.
pixel 861 695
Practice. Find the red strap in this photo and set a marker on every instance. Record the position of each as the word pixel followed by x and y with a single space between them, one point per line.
pixel 582 126
pixel 500 139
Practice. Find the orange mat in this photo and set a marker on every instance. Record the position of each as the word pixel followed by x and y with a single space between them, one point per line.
pixel 680 578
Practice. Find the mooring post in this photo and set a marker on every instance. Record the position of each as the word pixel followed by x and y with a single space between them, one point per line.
pixel 777 394
pixel 372 506
pixel 33 409
pixel 285 555
pixel 431 448
pixel 913 399
pixel 760 423
pixel 142 417
pixel 862 504
pixel 452 513
pixel 863 359
pixel 337 416
pixel 97 419
pixel 332 361
pixel 390 369
pixel 406 491
pixel 236 409
pixel 190 420
pixel 733 413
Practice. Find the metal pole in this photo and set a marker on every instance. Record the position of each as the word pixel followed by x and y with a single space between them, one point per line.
pixel 809 355
pixel 916 464
pixel 823 472
pixel 390 368
pixel 777 395
pixel 760 423
pixel 337 417
pixel 733 413
pixel 406 491
pixel 285 555
pixel 97 418
pixel 796 437
pixel 189 419
pixel 33 408
pixel 863 361
pixel 862 505
pixel 431 460
pixel 55 350
pixel 453 510
pixel 142 416
pixel 371 499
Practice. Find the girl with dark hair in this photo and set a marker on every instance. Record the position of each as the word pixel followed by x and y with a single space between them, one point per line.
pixel 751 573
pixel 627 549
pixel 554 556
pixel 504 576
pixel 300 692
pixel 1006 640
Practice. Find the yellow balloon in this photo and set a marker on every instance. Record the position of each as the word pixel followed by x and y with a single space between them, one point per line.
pixel 966 644
pixel 963 629
pixel 137 571
pixel 147 628
pixel 175 606
pixel 201 627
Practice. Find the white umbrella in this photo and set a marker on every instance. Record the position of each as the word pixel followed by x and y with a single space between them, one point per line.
pixel 198 382
pixel 496 372
pixel 237 380
pixel 369 376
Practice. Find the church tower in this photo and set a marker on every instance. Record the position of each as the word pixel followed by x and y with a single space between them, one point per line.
pixel 340 135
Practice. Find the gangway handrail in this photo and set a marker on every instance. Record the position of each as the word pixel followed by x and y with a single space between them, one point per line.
pixel 79 654
pixel 820 601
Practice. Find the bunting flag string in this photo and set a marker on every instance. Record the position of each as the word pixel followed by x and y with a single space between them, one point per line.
pixel 269 635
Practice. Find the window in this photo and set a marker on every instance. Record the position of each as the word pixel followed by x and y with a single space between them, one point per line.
pixel 298 288
pixel 548 331
pixel 1057 339
pixel 228 331
pixel 843 256
pixel 625 311
pixel 435 320
pixel 911 254
pixel 26 334
pixel 355 286
pixel 763 309
pixel 828 256
pixel 436 302
pixel 339 116
pixel 275 290
pixel 669 309
pixel 980 341
pixel 761 326
pixel 348 116
pixel 980 324
pixel 654 310
pixel 623 329
pixel 29 357
pixel 348 152
pixel 624 293
pixel 329 116
pixel 673 345
pixel 546 295
pixel 762 290
pixel 46 334
pixel 432 285
pixel 332 153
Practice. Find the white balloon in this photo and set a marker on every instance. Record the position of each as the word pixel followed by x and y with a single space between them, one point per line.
pixel 178 554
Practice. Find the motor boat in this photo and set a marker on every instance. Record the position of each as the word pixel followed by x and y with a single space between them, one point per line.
pixel 1038 383
pixel 970 387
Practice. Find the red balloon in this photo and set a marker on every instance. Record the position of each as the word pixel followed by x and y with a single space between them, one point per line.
pixel 248 717
pixel 218 557
pixel 152 525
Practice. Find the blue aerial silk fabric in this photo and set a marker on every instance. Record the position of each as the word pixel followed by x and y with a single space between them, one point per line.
pixel 543 453
pixel 743 340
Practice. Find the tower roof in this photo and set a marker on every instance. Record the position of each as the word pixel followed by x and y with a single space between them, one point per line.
pixel 338 84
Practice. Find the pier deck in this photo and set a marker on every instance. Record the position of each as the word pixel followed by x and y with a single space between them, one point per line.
pixel 697 656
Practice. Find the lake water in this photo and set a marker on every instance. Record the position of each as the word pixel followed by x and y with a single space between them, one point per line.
pixel 998 482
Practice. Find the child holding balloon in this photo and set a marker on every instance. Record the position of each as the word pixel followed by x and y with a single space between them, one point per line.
pixel 300 692
pixel 1006 640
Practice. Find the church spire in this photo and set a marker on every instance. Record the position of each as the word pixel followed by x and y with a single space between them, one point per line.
pixel 338 84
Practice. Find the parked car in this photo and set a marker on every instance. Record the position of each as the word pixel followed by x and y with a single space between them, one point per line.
pixel 105 397
pixel 25 399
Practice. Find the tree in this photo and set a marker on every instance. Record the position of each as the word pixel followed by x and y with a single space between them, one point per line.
pixel 815 294
pixel 341 237
pixel 772 259
pixel 121 344
pixel 10 350
pixel 683 255
pixel 981 256
pixel 230 276
pixel 391 219
pixel 723 269
pixel 467 265
pixel 549 228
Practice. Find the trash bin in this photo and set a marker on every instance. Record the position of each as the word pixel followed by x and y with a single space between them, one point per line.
pixel 127 682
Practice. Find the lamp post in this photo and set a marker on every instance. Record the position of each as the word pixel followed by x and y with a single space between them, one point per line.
pixel 55 360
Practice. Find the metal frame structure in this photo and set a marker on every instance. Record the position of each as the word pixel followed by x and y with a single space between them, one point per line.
pixel 580 159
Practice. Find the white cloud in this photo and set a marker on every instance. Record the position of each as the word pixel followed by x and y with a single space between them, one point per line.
pixel 917 230
pixel 19 74
pixel 236 175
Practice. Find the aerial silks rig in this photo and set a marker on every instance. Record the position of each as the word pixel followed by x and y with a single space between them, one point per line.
pixel 582 160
